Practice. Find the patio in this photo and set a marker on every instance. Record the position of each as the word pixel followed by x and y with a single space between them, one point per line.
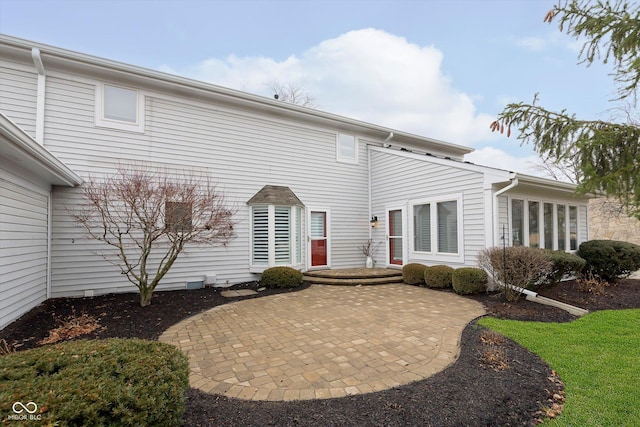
pixel 324 341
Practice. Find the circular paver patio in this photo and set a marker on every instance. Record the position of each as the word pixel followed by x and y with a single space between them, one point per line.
pixel 324 341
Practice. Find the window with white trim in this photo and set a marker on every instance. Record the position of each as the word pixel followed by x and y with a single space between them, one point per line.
pixel 276 235
pixel 119 107
pixel 346 148
pixel 437 228
pixel 555 226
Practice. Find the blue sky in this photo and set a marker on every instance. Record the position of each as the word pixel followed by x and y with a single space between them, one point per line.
pixel 442 69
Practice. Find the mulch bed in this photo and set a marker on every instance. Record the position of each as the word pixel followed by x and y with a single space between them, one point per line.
pixel 493 383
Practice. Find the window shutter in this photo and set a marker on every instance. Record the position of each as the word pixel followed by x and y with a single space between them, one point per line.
pixel 282 235
pixel 448 227
pixel 260 235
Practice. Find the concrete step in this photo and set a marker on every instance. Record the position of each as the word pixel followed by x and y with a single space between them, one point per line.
pixel 363 281
pixel 354 276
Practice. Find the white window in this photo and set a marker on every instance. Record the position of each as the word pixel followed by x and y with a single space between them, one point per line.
pixel 346 148
pixel 555 226
pixel 437 229
pixel 276 236
pixel 119 107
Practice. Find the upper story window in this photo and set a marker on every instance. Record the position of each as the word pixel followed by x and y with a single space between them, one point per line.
pixel 346 148
pixel 119 107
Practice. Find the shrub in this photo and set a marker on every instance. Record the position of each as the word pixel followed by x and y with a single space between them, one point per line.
pixel 610 259
pixel 281 277
pixel 516 266
pixel 91 383
pixel 413 274
pixel 469 280
pixel 563 263
pixel 438 276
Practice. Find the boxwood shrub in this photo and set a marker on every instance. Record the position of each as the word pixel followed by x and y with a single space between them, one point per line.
pixel 564 264
pixel 124 382
pixel 281 277
pixel 610 259
pixel 413 274
pixel 438 276
pixel 469 280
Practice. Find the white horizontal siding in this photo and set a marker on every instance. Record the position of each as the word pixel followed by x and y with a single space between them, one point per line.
pixel 242 152
pixel 23 247
pixel 18 92
pixel 397 179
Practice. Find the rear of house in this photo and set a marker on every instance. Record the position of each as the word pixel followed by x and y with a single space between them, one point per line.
pixel 306 184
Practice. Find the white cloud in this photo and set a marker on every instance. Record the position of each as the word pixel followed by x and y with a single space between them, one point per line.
pixel 489 156
pixel 366 74
pixel 532 43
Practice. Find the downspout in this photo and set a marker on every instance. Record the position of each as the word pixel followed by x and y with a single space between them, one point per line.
pixel 40 97
pixel 385 144
pixel 496 224
pixel 49 238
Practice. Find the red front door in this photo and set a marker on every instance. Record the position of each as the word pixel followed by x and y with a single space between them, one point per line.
pixel 395 237
pixel 318 238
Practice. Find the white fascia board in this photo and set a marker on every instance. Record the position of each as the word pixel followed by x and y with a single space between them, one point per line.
pixel 96 65
pixel 34 155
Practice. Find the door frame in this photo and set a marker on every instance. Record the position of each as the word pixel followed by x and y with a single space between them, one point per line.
pixel 327 213
pixel 403 215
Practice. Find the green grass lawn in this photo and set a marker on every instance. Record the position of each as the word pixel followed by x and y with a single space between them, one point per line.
pixel 597 357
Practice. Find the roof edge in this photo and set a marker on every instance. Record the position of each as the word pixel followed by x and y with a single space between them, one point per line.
pixel 24 143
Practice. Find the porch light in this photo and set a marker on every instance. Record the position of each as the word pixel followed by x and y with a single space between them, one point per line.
pixel 374 221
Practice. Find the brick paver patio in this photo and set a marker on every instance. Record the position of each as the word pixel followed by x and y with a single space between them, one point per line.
pixel 324 341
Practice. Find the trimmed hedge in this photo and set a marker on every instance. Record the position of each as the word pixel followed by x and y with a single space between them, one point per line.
pixel 413 274
pixel 125 382
pixel 564 264
pixel 469 280
pixel 438 276
pixel 281 277
pixel 610 259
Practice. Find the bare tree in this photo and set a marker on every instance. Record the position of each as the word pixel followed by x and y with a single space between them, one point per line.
pixel 149 218
pixel 291 93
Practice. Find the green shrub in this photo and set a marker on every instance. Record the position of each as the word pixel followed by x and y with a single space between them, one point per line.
pixel 563 263
pixel 125 382
pixel 438 276
pixel 413 274
pixel 610 259
pixel 469 280
pixel 281 277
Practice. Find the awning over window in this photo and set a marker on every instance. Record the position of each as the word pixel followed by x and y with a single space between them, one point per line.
pixel 275 195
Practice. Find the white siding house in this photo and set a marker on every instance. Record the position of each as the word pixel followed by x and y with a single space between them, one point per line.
pixel 305 183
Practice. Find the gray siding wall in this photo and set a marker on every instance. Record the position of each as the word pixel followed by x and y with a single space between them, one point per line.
pixel 242 151
pixel 398 178
pixel 18 92
pixel 23 244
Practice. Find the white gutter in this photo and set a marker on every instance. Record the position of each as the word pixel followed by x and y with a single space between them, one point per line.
pixel 496 224
pixel 40 97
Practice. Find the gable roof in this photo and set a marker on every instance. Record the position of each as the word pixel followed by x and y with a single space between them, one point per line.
pixel 19 147
pixel 103 68
pixel 275 195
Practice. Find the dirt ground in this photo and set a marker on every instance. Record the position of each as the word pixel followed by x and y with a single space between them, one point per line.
pixel 495 382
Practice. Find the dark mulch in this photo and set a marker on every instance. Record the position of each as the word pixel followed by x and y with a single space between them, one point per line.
pixel 472 391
